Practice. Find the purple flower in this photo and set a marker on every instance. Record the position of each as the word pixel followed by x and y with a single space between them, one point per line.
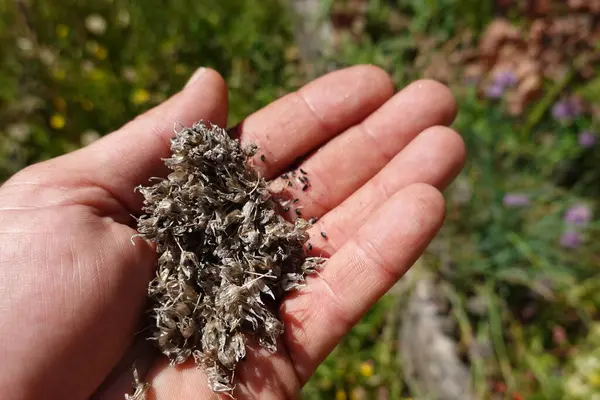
pixel 570 240
pixel 515 200
pixel 587 139
pixel 568 108
pixel 560 110
pixel 494 91
pixel 506 78
pixel 579 214
pixel 501 81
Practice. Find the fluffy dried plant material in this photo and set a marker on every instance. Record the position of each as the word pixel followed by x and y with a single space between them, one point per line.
pixel 226 256
pixel 140 389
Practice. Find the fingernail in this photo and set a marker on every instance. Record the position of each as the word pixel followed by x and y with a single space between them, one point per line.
pixel 195 76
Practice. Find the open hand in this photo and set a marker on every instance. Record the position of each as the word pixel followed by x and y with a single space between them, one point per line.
pixel 73 287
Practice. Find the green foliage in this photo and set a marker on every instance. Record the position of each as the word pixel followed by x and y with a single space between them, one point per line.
pixel 540 297
pixel 446 17
pixel 510 257
pixel 56 66
pixel 366 360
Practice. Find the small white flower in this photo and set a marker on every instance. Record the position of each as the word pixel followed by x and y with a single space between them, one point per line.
pixel 88 137
pixel 46 56
pixel 29 103
pixel 96 24
pixel 129 74
pixel 123 18
pixel 587 365
pixel 24 44
pixel 19 131
pixel 87 66
pixel 576 387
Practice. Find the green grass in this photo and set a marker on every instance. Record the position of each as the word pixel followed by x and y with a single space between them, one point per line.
pixel 61 84
pixel 100 81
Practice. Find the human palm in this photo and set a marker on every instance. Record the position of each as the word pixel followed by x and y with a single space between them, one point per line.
pixel 73 285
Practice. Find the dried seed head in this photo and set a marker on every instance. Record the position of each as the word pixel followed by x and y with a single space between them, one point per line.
pixel 140 389
pixel 226 257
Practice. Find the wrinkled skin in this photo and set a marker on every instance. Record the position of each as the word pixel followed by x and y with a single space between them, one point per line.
pixel 73 286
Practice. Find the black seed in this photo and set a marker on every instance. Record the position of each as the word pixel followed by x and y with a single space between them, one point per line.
pixel 324 235
pixel 286 209
pixel 284 176
pixel 312 220
pixel 303 171
pixel 262 158
pixel 304 188
pixel 309 246
pixel 295 200
pixel 290 184
pixel 298 212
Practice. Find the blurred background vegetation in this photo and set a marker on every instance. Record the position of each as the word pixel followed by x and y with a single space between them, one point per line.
pixel 508 295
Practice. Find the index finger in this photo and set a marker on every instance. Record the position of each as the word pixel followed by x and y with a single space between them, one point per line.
pixel 299 122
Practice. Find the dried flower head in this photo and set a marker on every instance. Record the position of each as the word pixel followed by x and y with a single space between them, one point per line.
pixel 225 255
pixel 140 389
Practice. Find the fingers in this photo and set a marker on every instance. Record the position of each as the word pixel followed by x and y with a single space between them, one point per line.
pixel 359 273
pixel 435 157
pixel 298 123
pixel 352 158
pixel 130 156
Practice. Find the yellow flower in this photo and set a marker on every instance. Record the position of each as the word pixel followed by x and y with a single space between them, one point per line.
pixel 57 121
pixel 595 379
pixel 366 369
pixel 96 74
pixel 340 395
pixel 59 74
pixel 60 104
pixel 140 96
pixel 100 52
pixel 62 31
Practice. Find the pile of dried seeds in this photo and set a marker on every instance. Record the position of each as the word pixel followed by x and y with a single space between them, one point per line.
pixel 226 256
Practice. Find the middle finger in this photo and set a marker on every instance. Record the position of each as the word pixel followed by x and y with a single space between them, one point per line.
pixel 346 162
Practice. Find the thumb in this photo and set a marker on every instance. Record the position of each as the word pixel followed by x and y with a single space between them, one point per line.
pixel 131 155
